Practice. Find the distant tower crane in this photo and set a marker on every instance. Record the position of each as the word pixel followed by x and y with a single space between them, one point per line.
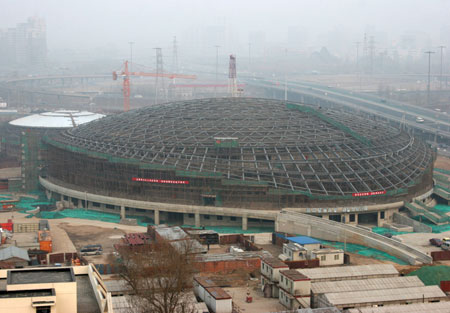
pixel 126 81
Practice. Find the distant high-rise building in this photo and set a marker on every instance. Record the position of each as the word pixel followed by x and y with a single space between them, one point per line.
pixel 25 45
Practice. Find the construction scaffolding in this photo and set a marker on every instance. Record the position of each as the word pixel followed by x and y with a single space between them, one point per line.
pixel 241 152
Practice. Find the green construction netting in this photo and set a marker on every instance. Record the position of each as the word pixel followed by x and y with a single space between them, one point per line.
pixel 442 171
pixel 435 228
pixel 432 275
pixel 442 207
pixel 91 215
pixel 364 251
pixel 383 230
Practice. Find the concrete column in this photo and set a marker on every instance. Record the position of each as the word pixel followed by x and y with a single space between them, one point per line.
pixel 356 218
pixel 244 222
pixel 122 211
pixel 378 219
pixel 62 197
pixel 197 219
pixel 156 218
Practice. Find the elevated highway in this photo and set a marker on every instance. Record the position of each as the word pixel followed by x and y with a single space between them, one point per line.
pixel 436 125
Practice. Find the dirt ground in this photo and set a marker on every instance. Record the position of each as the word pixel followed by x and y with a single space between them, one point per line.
pixel 442 162
pixel 259 303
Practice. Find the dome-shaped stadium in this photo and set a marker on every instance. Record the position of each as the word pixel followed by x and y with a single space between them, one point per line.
pixel 242 153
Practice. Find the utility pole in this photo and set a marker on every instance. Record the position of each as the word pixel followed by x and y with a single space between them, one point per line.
pixel 440 74
pixel 217 70
pixel 429 72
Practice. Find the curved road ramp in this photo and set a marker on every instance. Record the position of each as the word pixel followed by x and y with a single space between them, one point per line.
pixel 303 224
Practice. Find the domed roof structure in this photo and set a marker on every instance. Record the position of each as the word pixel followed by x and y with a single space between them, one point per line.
pixel 290 146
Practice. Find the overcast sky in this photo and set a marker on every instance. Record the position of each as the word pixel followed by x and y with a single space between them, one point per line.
pixel 96 23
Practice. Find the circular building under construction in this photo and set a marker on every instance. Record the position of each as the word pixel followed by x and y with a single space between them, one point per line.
pixel 246 153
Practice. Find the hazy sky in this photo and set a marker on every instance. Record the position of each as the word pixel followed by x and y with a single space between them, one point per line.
pixel 95 23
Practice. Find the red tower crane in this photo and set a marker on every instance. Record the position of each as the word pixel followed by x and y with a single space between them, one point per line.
pixel 126 81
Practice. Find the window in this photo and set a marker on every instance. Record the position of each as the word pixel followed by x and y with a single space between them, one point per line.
pixel 323 258
pixel 336 256
pixel 290 253
pixel 43 309
pixel 282 278
pixel 219 217
pixel 382 214
pixel 232 218
pixel 352 217
pixel 206 217
pixel 190 215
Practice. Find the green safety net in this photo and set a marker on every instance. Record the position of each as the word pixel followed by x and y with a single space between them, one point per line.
pixel 432 275
pixel 442 171
pixel 364 251
pixel 383 230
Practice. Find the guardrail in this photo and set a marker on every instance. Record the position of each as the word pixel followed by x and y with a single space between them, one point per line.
pixel 403 251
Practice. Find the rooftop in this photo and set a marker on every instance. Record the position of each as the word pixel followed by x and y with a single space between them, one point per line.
pixel 233 256
pixel 330 273
pixel 366 284
pixel 205 282
pixel 218 293
pixel 328 250
pixel 294 275
pixel 171 233
pixel 303 240
pixel 274 263
pixel 318 310
pixel 384 295
pixel 56 119
pixel 436 307
pixel 41 276
pixel 27 293
pixel 86 300
pixel 13 252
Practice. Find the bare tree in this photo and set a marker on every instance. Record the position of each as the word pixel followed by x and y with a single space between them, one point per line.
pixel 160 277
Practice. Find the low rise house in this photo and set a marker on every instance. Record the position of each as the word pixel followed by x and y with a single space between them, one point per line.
pixel 307 242
pixel 270 275
pixel 200 285
pixel 218 300
pixel 54 289
pixel 320 288
pixel 294 252
pixel 295 290
pixel 429 307
pixel 16 257
pixel 328 257
pixel 349 272
pixel 382 297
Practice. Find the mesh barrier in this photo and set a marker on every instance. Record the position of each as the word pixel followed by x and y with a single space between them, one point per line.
pixel 432 275
pixel 384 230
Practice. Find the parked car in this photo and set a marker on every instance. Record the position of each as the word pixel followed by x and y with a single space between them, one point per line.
pixel 436 242
pixel 389 235
pixel 446 239
pixel 445 246
pixel 91 250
